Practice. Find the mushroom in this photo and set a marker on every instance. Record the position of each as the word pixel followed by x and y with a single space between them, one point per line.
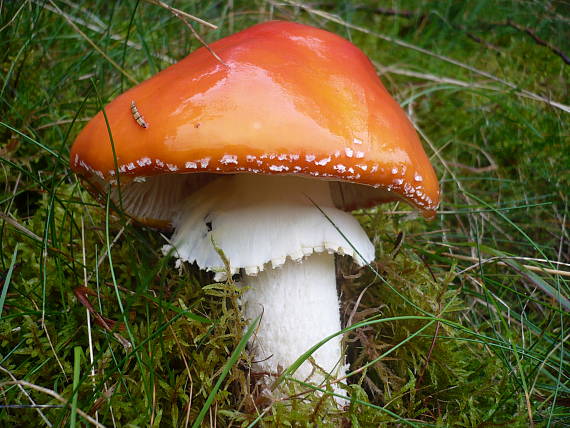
pixel 261 156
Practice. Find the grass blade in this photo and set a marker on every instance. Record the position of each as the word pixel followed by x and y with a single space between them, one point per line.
pixel 233 359
pixel 76 375
pixel 7 280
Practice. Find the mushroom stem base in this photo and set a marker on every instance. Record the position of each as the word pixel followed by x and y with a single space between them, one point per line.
pixel 299 307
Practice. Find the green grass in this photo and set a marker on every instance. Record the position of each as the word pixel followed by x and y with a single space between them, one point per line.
pixel 452 326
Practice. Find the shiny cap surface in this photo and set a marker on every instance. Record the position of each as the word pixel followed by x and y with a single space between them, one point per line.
pixel 287 99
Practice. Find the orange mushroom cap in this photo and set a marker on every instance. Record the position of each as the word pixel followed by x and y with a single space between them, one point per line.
pixel 287 99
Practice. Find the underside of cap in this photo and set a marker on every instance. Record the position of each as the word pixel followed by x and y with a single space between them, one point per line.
pixel 287 99
pixel 154 201
pixel 263 221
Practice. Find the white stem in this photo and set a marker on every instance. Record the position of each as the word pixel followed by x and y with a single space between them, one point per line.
pixel 271 231
pixel 299 307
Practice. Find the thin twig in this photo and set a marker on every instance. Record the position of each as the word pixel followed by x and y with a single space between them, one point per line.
pixel 48 423
pixel 54 395
pixel 44 325
pixel 31 406
pixel 432 77
pixel 353 312
pixel 534 36
pixel 201 40
pixel 428 357
pixel 479 262
pixel 11 221
pixel 474 170
pixel 19 227
pixel 179 13
pixel 63 122
pixel 183 16
pixel 13 17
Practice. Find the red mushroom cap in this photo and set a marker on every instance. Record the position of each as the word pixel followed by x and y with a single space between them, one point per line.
pixel 287 99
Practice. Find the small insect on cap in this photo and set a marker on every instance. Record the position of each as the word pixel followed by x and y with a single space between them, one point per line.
pixel 287 99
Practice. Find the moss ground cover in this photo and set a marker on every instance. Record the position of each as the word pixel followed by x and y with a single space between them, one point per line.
pixel 460 322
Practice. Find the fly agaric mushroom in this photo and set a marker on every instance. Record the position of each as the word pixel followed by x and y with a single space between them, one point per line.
pixel 261 156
